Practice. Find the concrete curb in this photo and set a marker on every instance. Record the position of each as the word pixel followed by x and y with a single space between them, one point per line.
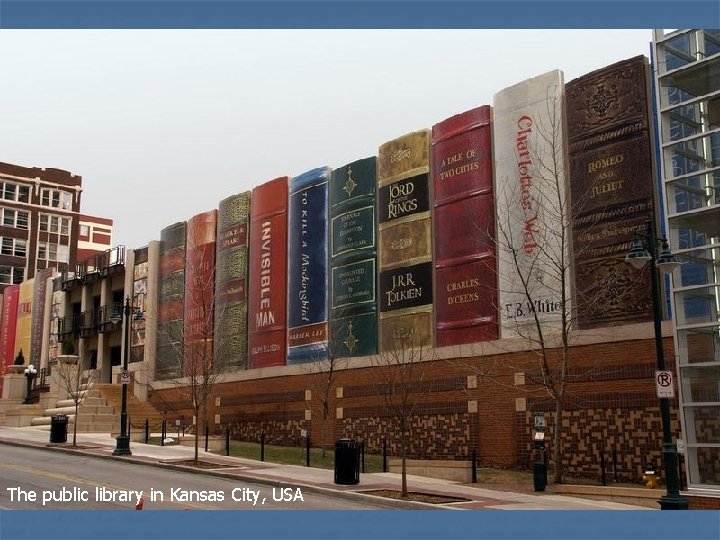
pixel 391 504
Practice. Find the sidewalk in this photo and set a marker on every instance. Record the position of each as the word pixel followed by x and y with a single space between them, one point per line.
pixel 314 479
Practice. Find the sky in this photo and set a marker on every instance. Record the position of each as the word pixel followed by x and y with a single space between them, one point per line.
pixel 163 124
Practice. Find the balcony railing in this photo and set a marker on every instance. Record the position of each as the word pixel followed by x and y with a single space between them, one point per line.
pixel 107 263
pixel 100 320
pixel 110 317
pixel 69 327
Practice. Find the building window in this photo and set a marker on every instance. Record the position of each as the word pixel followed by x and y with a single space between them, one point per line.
pixel 15 218
pixel 13 246
pixel 11 275
pixel 55 224
pixel 63 254
pixel 15 192
pixel 84 230
pixel 56 199
pixel 53 252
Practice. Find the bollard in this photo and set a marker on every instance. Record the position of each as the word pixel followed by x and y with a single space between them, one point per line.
pixel 262 447
pixel 385 468
pixel 362 457
pixel 227 441
pixel 602 468
pixel 473 467
pixel 207 434
pixel 615 465
pixel 162 432
pixel 147 430
pixel 307 451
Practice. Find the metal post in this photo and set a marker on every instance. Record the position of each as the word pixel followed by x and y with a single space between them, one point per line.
pixel 672 500
pixel 615 465
pixel 122 447
pixel 602 468
pixel 227 441
pixel 162 432
pixel 262 446
pixel 29 377
pixel 207 434
pixel 474 467
pixel 385 467
pixel 307 451
pixel 147 430
pixel 362 457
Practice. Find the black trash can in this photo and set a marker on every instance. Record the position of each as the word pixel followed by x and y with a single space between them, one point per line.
pixel 347 462
pixel 539 475
pixel 58 428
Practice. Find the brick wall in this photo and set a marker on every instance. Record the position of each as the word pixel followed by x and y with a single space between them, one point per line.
pixel 484 403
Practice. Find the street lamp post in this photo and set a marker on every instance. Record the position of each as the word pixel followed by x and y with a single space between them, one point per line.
pixel 30 373
pixel 122 448
pixel 638 256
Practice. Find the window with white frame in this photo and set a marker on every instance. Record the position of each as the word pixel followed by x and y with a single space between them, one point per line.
pixel 54 224
pixel 11 275
pixel 11 191
pixel 15 247
pixel 18 219
pixel 53 252
pixel 56 198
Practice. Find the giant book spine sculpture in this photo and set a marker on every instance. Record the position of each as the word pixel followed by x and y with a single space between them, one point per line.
pixel 405 241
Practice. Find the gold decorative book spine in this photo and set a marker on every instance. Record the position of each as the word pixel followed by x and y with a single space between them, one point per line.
pixel 405 243
pixel 171 291
pixel 231 282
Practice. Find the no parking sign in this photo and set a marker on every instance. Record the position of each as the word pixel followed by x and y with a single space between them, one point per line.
pixel 664 384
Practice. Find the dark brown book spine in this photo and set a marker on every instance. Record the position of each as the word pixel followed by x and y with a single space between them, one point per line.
pixel 612 190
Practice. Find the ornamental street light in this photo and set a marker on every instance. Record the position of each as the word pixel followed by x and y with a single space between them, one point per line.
pixel 122 448
pixel 30 373
pixel 666 262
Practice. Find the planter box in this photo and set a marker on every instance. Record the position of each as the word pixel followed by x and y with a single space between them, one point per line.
pixel 455 471
pixel 215 444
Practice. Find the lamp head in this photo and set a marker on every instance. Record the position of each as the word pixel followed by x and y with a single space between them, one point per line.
pixel 666 262
pixel 638 255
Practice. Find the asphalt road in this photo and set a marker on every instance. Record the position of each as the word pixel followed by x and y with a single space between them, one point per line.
pixel 45 479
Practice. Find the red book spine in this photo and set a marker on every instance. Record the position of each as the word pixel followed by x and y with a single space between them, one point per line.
pixel 267 289
pixel 465 264
pixel 198 328
pixel 9 325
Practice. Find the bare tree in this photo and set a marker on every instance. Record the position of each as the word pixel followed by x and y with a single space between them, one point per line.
pixel 193 343
pixel 400 376
pixel 534 242
pixel 75 381
pixel 325 373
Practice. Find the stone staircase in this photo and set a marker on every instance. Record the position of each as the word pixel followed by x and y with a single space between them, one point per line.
pixel 94 415
pixel 138 411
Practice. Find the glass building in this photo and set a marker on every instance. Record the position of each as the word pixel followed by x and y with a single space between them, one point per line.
pixel 687 86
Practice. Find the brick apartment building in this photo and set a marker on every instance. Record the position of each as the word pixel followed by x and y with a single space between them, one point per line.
pixel 39 211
